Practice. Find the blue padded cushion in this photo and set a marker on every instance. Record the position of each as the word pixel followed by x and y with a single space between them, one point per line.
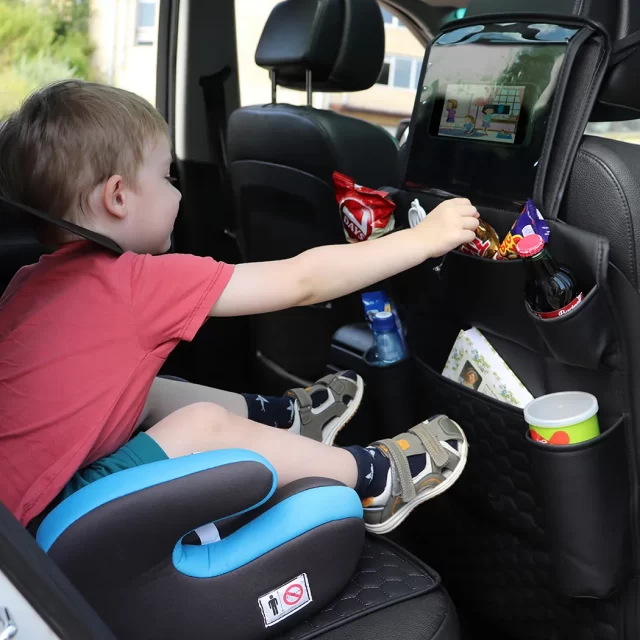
pixel 285 521
pixel 135 479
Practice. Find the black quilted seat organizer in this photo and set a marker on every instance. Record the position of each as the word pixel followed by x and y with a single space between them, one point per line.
pixel 539 542
pixel 391 595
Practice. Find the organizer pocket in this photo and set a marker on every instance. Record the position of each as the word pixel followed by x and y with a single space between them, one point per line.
pixel 583 337
pixel 584 493
pixel 487 294
pixel 496 481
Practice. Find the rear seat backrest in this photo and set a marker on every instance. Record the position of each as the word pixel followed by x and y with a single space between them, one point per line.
pixel 282 158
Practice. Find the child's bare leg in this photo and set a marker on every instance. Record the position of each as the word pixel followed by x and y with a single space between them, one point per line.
pixel 318 412
pixel 391 477
pixel 167 396
pixel 207 427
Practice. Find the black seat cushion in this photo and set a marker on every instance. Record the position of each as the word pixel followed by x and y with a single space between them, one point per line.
pixel 392 594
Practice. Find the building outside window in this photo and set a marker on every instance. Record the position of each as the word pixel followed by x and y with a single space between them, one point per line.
pixel 390 19
pixel 146 29
pixel 401 72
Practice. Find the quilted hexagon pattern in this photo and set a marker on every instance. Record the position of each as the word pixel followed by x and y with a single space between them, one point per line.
pixel 385 575
pixel 488 529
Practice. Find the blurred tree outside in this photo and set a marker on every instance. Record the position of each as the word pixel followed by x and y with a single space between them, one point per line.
pixel 41 41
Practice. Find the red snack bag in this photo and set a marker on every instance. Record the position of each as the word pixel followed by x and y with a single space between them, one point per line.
pixel 366 214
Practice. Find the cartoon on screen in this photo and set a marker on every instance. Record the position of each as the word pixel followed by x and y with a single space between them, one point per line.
pixel 483 112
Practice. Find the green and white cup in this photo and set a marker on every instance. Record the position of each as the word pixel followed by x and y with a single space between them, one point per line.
pixel 563 418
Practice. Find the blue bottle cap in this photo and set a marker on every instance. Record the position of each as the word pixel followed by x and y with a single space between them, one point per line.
pixel 384 321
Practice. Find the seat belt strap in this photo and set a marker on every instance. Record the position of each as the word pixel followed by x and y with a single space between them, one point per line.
pixel 98 238
pixel 624 47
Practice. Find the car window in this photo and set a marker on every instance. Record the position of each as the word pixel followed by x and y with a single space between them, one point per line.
pixel 102 40
pixel 386 103
pixel 628 131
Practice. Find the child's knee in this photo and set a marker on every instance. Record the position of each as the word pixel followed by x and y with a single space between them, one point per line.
pixel 209 414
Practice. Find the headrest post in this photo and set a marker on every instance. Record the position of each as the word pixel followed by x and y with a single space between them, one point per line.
pixel 274 86
pixel 308 81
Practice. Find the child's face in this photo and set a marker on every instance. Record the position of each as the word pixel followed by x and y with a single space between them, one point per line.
pixel 153 204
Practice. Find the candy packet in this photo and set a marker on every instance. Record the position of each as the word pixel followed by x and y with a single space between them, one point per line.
pixel 530 221
pixel 366 213
pixel 486 243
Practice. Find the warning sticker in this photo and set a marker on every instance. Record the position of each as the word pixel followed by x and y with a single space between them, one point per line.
pixel 285 600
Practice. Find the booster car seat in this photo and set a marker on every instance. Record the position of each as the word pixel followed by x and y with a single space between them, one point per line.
pixel 133 545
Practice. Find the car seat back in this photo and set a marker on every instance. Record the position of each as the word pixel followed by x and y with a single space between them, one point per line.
pixel 541 541
pixel 282 158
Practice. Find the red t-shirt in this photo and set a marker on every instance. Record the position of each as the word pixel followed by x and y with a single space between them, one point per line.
pixel 83 333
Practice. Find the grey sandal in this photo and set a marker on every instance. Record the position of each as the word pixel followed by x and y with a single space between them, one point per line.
pixel 446 449
pixel 336 398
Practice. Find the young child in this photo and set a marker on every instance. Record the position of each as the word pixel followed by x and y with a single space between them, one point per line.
pixel 487 116
pixel 84 332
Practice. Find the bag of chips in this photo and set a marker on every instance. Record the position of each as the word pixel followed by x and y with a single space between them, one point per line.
pixel 366 214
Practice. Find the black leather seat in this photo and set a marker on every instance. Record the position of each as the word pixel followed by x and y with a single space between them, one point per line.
pixel 504 547
pixel 18 246
pixel 282 158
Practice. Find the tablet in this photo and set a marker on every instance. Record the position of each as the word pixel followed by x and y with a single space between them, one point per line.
pixel 483 108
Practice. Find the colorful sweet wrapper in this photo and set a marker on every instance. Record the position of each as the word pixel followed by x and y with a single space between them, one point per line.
pixel 486 243
pixel 530 221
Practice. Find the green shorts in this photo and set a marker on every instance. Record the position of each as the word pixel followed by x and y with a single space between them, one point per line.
pixel 141 449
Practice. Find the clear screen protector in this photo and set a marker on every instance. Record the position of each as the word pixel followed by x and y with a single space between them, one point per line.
pixel 482 111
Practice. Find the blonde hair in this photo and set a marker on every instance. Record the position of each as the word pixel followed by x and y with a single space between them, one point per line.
pixel 68 138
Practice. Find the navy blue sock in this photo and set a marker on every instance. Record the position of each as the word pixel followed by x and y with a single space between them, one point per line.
pixel 270 410
pixel 373 469
pixel 278 411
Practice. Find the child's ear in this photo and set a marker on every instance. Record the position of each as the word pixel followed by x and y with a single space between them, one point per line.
pixel 114 197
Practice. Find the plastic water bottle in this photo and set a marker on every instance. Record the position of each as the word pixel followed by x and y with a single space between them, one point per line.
pixel 388 344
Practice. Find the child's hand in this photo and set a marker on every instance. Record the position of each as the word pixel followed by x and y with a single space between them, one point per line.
pixel 450 224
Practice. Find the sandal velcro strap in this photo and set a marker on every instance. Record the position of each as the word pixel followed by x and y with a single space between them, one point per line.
pixel 437 453
pixel 334 383
pixel 401 465
pixel 305 404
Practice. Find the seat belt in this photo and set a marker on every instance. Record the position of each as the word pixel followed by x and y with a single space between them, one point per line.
pixel 98 238
pixel 624 47
pixel 213 91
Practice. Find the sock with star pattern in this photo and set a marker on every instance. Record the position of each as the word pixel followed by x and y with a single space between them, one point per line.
pixel 271 410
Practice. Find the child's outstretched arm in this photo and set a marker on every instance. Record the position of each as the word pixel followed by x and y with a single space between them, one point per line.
pixel 328 272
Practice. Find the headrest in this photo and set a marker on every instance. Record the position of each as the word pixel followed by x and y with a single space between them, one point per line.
pixel 340 41
pixel 619 98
